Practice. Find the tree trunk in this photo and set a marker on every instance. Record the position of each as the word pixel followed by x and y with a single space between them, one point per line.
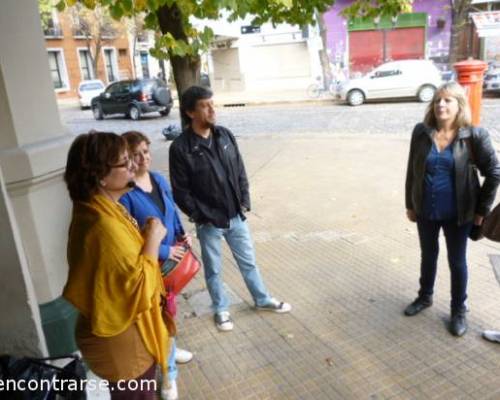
pixel 459 15
pixel 323 55
pixel 186 69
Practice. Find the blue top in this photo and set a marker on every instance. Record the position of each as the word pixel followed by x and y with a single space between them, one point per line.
pixel 141 206
pixel 439 200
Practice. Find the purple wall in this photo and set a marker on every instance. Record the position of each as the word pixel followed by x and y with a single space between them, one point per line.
pixel 438 40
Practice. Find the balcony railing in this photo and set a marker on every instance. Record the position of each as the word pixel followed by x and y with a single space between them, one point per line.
pixel 53 31
pixel 80 32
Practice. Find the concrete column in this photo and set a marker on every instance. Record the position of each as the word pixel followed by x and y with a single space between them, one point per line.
pixel 21 331
pixel 33 150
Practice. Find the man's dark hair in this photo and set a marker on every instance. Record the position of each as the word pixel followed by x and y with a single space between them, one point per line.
pixel 90 158
pixel 189 98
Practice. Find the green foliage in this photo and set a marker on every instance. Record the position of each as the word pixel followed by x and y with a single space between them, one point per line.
pixel 45 8
pixel 193 41
pixel 371 8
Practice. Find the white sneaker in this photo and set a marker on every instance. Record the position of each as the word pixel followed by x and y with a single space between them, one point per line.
pixel 223 321
pixel 275 306
pixel 170 392
pixel 182 356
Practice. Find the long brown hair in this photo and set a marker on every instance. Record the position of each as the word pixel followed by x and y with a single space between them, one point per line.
pixel 453 89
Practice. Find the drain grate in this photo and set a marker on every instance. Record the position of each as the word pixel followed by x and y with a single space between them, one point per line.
pixel 234 105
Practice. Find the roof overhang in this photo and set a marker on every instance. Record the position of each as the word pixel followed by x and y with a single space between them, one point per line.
pixel 487 23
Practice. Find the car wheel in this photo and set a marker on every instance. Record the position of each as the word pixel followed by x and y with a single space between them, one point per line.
pixel 134 113
pixel 355 97
pixel 97 111
pixel 426 93
pixel 165 112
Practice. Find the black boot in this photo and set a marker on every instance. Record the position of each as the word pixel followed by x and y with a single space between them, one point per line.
pixel 458 323
pixel 419 304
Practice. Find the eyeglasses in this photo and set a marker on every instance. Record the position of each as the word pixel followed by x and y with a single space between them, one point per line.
pixel 125 164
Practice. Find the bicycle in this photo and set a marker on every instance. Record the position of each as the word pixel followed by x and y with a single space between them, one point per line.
pixel 316 90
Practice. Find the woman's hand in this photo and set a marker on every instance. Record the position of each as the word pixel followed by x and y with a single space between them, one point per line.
pixel 176 253
pixel 478 219
pixel 154 230
pixel 410 214
pixel 187 239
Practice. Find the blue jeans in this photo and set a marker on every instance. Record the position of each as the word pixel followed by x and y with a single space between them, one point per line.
pixel 172 367
pixel 456 244
pixel 238 238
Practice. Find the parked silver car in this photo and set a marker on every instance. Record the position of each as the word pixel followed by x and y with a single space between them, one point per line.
pixel 491 81
pixel 404 78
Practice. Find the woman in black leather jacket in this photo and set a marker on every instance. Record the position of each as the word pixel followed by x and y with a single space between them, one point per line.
pixel 443 191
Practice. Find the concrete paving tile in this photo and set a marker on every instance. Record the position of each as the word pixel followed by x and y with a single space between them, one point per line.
pixel 346 337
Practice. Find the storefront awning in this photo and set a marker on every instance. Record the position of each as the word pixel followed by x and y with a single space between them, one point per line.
pixel 487 23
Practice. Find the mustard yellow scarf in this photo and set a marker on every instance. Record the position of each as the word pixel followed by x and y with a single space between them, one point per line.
pixel 110 282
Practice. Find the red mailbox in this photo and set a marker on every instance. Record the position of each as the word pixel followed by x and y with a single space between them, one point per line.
pixel 470 75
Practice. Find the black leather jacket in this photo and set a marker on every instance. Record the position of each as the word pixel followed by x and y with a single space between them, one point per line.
pixel 197 182
pixel 472 198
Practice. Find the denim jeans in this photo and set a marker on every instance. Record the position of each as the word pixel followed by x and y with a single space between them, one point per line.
pixel 172 366
pixel 238 238
pixel 456 244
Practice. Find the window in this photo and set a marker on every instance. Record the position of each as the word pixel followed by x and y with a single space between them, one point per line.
pixel 110 63
pixel 57 69
pixel 119 87
pixel 145 64
pixel 386 73
pixel 86 68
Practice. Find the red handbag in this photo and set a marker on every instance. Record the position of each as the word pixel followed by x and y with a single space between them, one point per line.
pixel 182 273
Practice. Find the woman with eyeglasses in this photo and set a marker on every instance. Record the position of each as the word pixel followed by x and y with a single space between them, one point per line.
pixel 152 196
pixel 443 192
pixel 113 279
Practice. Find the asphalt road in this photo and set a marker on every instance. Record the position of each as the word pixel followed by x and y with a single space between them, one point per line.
pixel 397 118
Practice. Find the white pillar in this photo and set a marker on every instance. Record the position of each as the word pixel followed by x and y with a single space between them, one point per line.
pixel 21 331
pixel 33 150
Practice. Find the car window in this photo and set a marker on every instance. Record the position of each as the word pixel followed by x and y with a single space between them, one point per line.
pixel 124 87
pixel 386 73
pixel 119 87
pixel 148 86
pixel 91 86
pixel 114 88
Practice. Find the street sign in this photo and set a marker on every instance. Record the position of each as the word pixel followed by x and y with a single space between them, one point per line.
pixel 245 29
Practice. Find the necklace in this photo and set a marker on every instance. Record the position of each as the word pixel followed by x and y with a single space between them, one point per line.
pixel 129 218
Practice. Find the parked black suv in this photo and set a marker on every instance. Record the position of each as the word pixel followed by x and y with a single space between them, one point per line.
pixel 133 98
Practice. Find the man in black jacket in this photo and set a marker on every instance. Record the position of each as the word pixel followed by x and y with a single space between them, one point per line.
pixel 210 185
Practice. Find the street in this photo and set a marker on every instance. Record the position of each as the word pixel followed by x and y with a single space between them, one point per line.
pixel 287 119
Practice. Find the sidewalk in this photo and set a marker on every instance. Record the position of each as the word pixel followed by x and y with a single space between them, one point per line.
pixel 332 239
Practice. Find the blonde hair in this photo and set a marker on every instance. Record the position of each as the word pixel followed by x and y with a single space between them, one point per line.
pixel 453 89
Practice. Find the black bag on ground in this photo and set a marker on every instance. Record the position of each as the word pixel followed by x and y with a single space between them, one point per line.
pixel 26 378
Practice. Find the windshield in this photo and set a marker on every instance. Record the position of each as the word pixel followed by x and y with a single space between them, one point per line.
pixel 91 86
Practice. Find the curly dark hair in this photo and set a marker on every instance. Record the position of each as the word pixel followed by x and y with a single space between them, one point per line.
pixel 135 138
pixel 90 158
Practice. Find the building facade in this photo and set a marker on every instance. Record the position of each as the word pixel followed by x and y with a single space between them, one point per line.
pixel 358 45
pixel 70 52
pixel 265 58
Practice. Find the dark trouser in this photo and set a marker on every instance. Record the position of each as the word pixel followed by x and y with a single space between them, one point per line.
pixel 123 391
pixel 456 244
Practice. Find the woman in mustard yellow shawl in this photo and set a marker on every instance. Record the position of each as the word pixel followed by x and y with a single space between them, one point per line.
pixel 114 280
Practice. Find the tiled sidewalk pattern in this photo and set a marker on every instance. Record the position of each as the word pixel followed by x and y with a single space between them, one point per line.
pixel 332 239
